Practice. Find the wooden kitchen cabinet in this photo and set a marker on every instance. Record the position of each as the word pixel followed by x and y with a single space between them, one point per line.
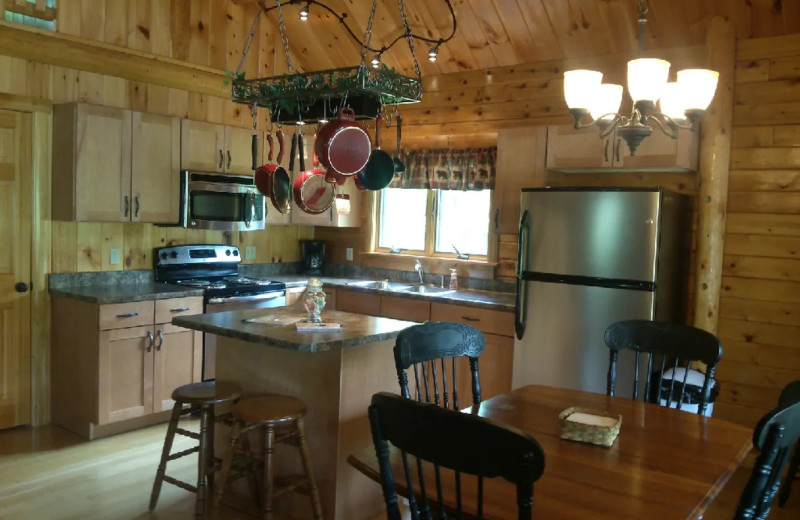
pixel 209 147
pixel 520 164
pixel 116 365
pixel 495 364
pixel 582 151
pixel 358 302
pixel 114 165
pixel 409 309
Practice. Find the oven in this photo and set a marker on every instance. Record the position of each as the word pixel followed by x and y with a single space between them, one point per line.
pixel 234 303
pixel 214 268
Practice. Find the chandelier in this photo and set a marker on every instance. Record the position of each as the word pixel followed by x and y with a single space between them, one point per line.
pixel 681 103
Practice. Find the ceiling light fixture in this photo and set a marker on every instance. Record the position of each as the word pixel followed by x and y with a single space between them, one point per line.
pixel 376 61
pixel 304 12
pixel 683 101
pixel 433 54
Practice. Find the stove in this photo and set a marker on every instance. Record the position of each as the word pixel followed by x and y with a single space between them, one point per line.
pixel 215 269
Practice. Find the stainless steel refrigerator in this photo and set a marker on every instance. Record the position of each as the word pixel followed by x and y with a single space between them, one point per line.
pixel 589 257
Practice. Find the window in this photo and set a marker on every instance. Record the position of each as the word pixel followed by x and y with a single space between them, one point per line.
pixel 36 13
pixel 434 222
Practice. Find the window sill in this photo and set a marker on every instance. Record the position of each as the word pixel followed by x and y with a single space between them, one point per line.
pixel 432 264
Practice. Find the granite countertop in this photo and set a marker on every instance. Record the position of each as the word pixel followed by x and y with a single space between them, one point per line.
pixel 127 292
pixel 276 328
pixel 469 297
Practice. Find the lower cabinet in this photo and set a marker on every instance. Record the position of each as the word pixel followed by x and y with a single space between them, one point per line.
pixel 358 302
pixel 120 362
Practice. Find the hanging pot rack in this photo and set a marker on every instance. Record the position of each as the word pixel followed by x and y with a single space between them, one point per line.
pixel 311 97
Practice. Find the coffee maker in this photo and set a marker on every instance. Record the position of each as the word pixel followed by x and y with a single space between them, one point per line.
pixel 313 254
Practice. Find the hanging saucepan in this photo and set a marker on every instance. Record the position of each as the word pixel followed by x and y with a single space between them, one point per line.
pixel 281 192
pixel 312 193
pixel 379 171
pixel 342 145
pixel 263 175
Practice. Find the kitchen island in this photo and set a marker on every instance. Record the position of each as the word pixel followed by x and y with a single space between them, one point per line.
pixel 334 373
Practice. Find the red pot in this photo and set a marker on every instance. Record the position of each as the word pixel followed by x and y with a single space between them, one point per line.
pixel 312 192
pixel 342 145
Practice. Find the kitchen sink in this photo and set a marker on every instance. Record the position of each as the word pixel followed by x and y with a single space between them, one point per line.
pixel 380 284
pixel 425 289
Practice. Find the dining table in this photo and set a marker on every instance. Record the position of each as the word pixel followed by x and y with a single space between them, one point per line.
pixel 664 464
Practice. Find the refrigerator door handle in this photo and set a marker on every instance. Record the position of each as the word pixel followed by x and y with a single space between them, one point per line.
pixel 522 288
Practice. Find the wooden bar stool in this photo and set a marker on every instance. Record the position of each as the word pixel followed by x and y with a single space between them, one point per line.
pixel 281 419
pixel 201 397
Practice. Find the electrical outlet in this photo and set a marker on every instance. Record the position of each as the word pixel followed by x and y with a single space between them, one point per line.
pixel 250 253
pixel 349 254
pixel 113 256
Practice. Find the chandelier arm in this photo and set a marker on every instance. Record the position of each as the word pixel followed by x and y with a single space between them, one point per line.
pixel 671 127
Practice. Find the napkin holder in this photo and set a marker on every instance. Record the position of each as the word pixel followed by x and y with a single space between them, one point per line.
pixel 591 426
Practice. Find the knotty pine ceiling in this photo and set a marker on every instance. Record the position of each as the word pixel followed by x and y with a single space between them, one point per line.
pixel 496 33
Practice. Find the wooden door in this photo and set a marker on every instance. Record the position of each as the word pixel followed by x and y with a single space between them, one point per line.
pixel 494 365
pixel 659 152
pixel 155 168
pixel 102 164
pixel 177 362
pixel 202 146
pixel 575 150
pixel 125 374
pixel 239 151
pixel 15 236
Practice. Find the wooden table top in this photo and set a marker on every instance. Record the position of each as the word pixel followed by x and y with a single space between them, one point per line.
pixel 665 464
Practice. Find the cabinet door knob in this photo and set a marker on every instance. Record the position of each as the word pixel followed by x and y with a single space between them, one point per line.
pixel 128 315
pixel 21 287
pixel 230 159
pixel 469 318
pixel 221 160
pixel 127 206
pixel 160 339
pixel 149 340
pixel 179 309
pixel 136 206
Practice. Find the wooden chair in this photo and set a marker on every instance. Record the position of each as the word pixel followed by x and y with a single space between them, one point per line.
pixel 462 442
pixel 425 346
pixel 790 395
pixel 775 434
pixel 200 398
pixel 676 344
pixel 280 419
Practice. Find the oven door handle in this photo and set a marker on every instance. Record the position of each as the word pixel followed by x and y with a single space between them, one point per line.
pixel 249 298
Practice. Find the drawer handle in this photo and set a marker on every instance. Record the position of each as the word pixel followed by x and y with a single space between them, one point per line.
pixel 179 309
pixel 128 315
pixel 467 318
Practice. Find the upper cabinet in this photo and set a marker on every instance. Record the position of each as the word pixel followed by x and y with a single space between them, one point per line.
pixel 520 164
pixel 114 165
pixel 578 151
pixel 208 147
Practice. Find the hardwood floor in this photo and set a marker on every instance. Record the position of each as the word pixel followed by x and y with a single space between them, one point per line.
pixel 48 473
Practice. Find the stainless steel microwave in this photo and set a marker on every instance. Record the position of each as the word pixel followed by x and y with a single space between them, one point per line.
pixel 221 202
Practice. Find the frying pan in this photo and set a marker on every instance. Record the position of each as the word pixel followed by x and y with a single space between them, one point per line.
pixel 281 184
pixel 342 145
pixel 379 171
pixel 263 176
pixel 312 193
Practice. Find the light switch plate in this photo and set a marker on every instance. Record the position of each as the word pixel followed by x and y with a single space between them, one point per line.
pixel 250 253
pixel 349 254
pixel 113 256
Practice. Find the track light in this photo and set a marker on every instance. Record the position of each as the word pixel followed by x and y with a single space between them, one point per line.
pixel 304 12
pixel 434 52
pixel 376 61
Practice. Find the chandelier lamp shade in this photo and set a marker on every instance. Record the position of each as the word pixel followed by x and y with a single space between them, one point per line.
pixel 656 101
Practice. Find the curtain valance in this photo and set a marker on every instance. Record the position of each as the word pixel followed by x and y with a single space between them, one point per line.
pixel 463 169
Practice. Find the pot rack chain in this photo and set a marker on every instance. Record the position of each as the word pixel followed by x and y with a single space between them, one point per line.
pixel 284 36
pixel 409 36
pixel 367 33
pixel 248 41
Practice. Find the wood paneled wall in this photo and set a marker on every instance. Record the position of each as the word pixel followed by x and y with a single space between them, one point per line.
pixel 196 32
pixel 760 305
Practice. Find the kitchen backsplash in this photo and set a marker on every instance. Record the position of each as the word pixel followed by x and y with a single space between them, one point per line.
pixel 60 280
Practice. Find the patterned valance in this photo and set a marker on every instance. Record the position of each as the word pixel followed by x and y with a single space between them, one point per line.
pixel 465 169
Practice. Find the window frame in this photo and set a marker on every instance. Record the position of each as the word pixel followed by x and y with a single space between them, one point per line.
pixel 432 212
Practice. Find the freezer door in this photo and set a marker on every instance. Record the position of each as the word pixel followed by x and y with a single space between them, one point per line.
pixel 604 234
pixel 563 344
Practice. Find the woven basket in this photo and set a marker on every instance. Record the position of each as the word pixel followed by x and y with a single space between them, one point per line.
pixel 591 433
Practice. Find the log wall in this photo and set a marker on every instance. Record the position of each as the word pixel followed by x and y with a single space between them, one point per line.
pixel 760 304
pixel 206 33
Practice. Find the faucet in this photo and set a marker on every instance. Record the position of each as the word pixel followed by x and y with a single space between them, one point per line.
pixel 418 268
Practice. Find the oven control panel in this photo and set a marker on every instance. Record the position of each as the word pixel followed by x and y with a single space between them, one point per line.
pixel 196 254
